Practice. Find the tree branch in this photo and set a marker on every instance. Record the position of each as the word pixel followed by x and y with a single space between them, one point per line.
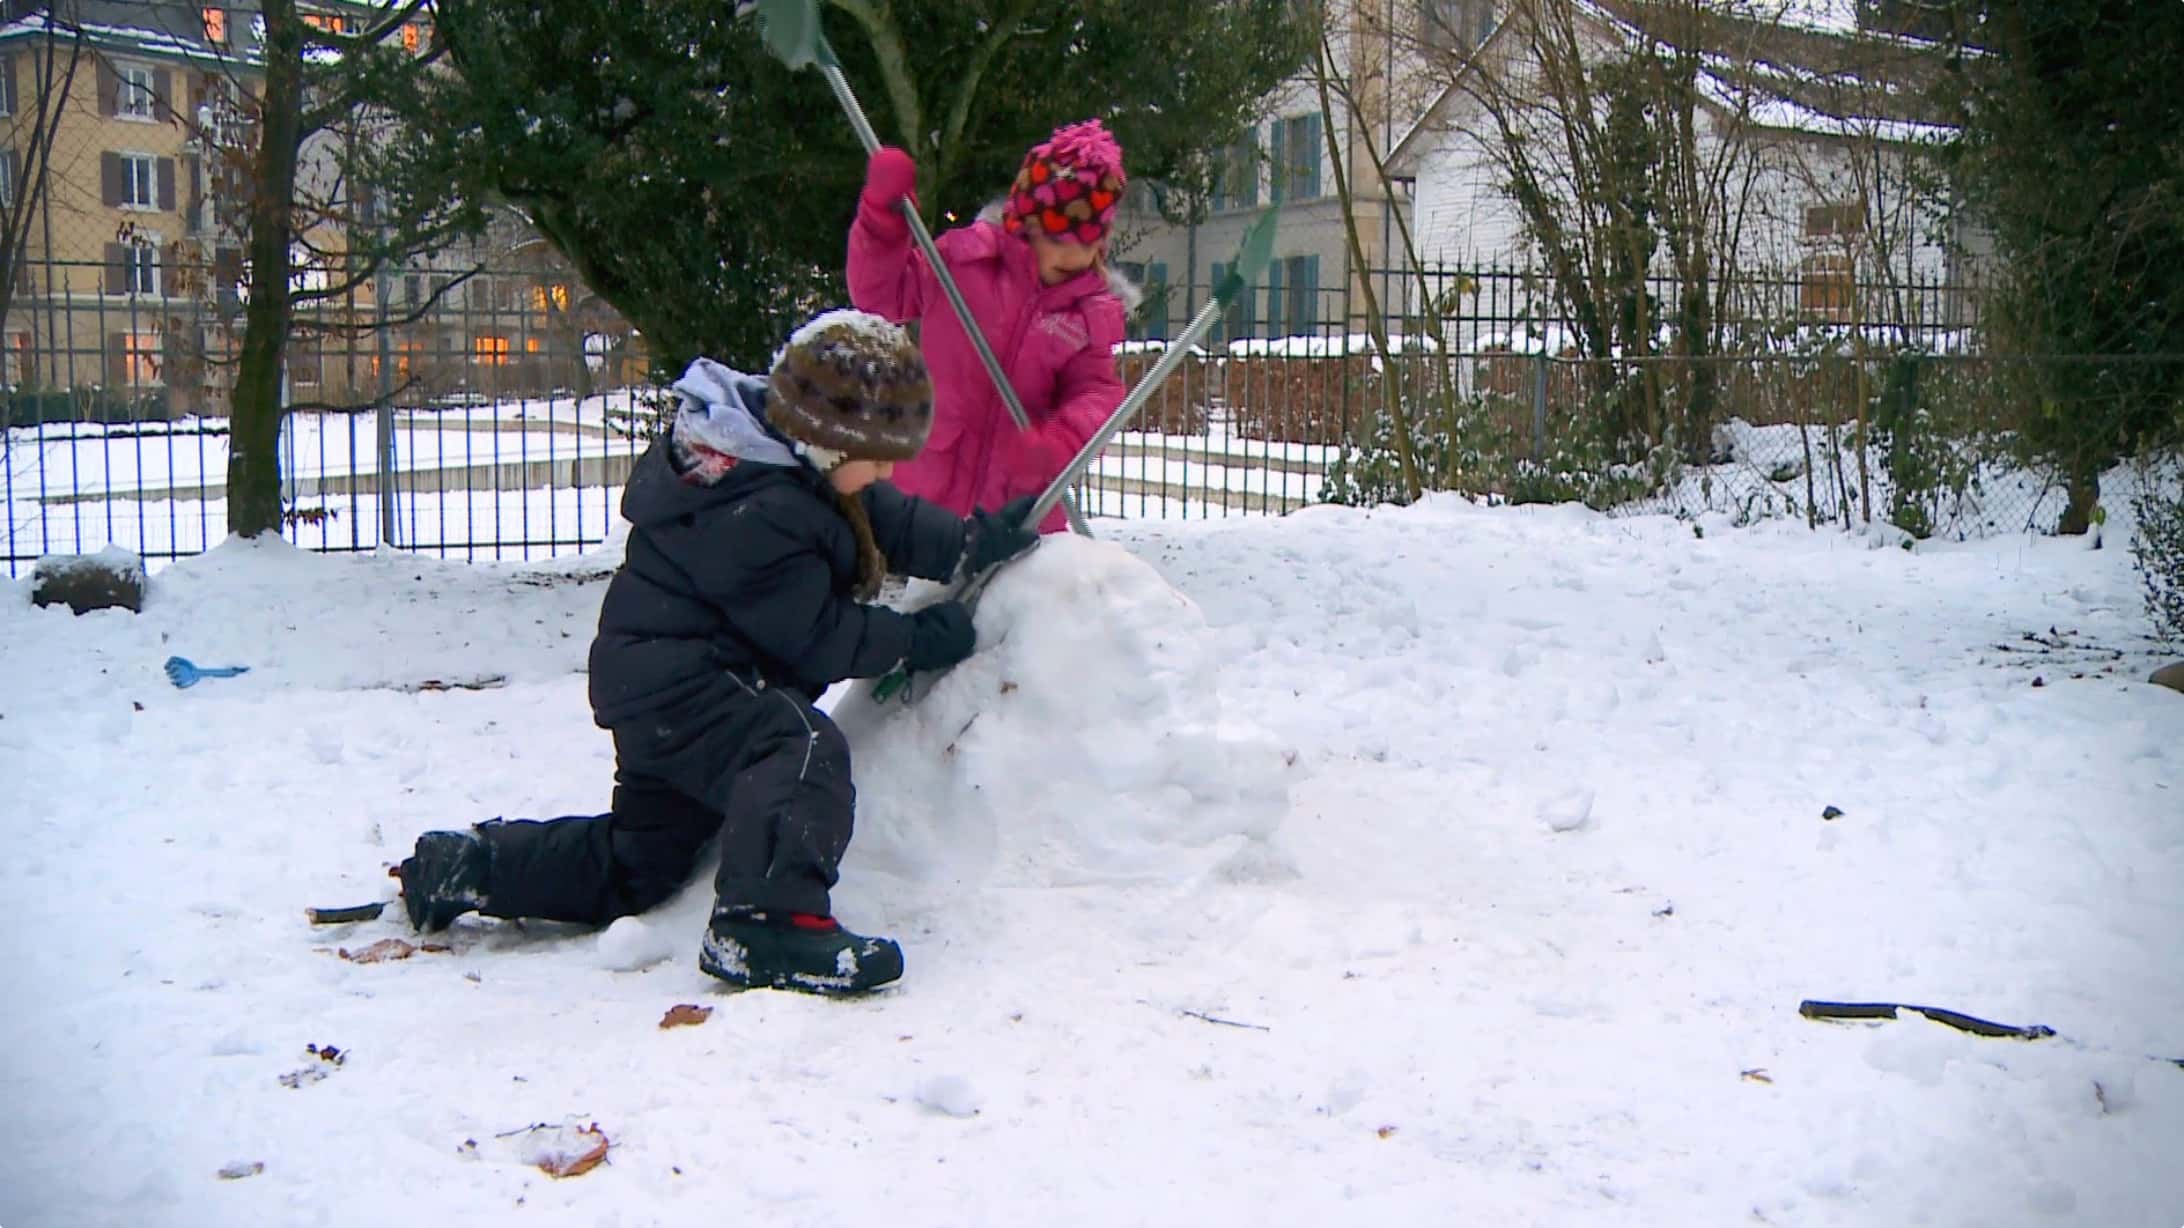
pixel 880 30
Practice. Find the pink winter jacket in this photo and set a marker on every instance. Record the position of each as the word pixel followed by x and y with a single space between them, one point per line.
pixel 1055 342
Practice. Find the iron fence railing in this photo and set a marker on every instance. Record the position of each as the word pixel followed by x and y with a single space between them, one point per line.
pixel 501 421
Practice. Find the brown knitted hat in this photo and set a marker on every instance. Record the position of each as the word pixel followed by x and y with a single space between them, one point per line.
pixel 850 382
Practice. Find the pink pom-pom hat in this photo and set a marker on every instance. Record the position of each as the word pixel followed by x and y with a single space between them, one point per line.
pixel 1069 186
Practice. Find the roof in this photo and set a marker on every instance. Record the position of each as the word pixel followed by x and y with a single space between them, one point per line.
pixel 166 30
pixel 1813 72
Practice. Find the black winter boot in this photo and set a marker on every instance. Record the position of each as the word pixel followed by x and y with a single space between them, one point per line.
pixel 443 879
pixel 778 950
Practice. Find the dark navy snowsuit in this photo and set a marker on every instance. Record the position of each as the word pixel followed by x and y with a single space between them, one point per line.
pixel 731 614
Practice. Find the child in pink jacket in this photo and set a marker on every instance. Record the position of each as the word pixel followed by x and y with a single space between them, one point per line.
pixel 1037 283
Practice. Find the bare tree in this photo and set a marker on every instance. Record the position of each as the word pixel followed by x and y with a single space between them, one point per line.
pixel 53 67
pixel 1621 132
pixel 293 142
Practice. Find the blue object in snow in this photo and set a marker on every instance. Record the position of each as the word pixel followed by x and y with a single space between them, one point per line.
pixel 184 672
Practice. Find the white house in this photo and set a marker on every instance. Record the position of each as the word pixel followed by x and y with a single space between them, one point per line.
pixel 1813 127
pixel 1282 163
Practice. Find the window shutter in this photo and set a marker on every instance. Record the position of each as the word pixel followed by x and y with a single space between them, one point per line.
pixel 7 85
pixel 170 262
pixel 195 166
pixel 1307 314
pixel 1275 324
pixel 117 360
pixel 15 175
pixel 163 95
pixel 166 185
pixel 110 179
pixel 1307 158
pixel 1220 328
pixel 109 89
pixel 1278 181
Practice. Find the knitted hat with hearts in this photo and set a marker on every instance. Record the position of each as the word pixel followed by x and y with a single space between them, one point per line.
pixel 1068 186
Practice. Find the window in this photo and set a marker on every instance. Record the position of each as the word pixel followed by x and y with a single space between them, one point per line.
pixel 1292 297
pixel 1456 25
pixel 331 23
pixel 413 289
pixel 1825 288
pixel 530 345
pixel 140 268
pixel 215 25
pixel 22 366
pixel 1236 173
pixel 133 96
pixel 140 358
pixel 1834 221
pixel 307 270
pixel 490 351
pixel 550 298
pixel 7 177
pixel 139 181
pixel 412 38
pixel 1296 158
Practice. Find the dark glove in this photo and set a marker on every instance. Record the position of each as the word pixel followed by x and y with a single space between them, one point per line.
pixel 997 537
pixel 940 636
pixel 891 175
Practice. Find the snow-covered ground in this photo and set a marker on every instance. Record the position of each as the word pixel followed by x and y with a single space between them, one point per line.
pixel 1443 865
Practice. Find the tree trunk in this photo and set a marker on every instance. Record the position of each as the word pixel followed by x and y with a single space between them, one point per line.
pixel 2085 495
pixel 254 463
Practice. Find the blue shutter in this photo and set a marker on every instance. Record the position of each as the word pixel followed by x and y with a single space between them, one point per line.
pixel 1304 317
pixel 1247 157
pixel 1156 294
pixel 1277 179
pixel 1308 155
pixel 1220 181
pixel 1220 327
pixel 1275 302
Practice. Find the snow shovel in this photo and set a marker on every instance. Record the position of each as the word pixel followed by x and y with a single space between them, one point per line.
pixel 791 31
pixel 1251 260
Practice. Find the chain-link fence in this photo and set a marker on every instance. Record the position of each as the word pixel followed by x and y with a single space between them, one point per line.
pixel 495 414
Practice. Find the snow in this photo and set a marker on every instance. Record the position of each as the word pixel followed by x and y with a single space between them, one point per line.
pixel 1345 867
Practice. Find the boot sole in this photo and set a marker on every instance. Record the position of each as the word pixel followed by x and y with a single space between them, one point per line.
pixel 875 971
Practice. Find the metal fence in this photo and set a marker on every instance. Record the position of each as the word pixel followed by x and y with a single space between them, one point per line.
pixel 501 421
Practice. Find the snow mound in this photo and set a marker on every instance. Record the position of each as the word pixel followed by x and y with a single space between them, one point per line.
pixel 1082 742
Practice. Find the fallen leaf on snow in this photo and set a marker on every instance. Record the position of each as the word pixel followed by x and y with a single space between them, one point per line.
pixel 379 952
pixel 572 1153
pixel 684 1015
pixel 1385 1131
pixel 241 1169
pixel 1757 1074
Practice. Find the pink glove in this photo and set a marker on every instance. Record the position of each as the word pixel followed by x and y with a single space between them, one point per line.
pixel 890 176
pixel 1033 458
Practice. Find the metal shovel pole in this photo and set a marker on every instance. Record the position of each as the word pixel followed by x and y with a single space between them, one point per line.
pixel 1251 260
pixel 793 34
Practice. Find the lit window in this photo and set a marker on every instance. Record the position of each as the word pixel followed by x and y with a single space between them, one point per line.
pixel 140 358
pixel 1825 287
pixel 530 345
pixel 215 25
pixel 411 39
pixel 490 351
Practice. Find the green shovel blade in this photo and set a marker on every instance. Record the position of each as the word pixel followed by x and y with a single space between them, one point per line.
pixel 1256 252
pixel 790 29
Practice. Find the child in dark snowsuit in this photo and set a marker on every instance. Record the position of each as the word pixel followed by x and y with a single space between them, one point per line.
pixel 761 527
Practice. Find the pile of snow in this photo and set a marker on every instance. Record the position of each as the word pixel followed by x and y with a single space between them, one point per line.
pixel 1083 742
